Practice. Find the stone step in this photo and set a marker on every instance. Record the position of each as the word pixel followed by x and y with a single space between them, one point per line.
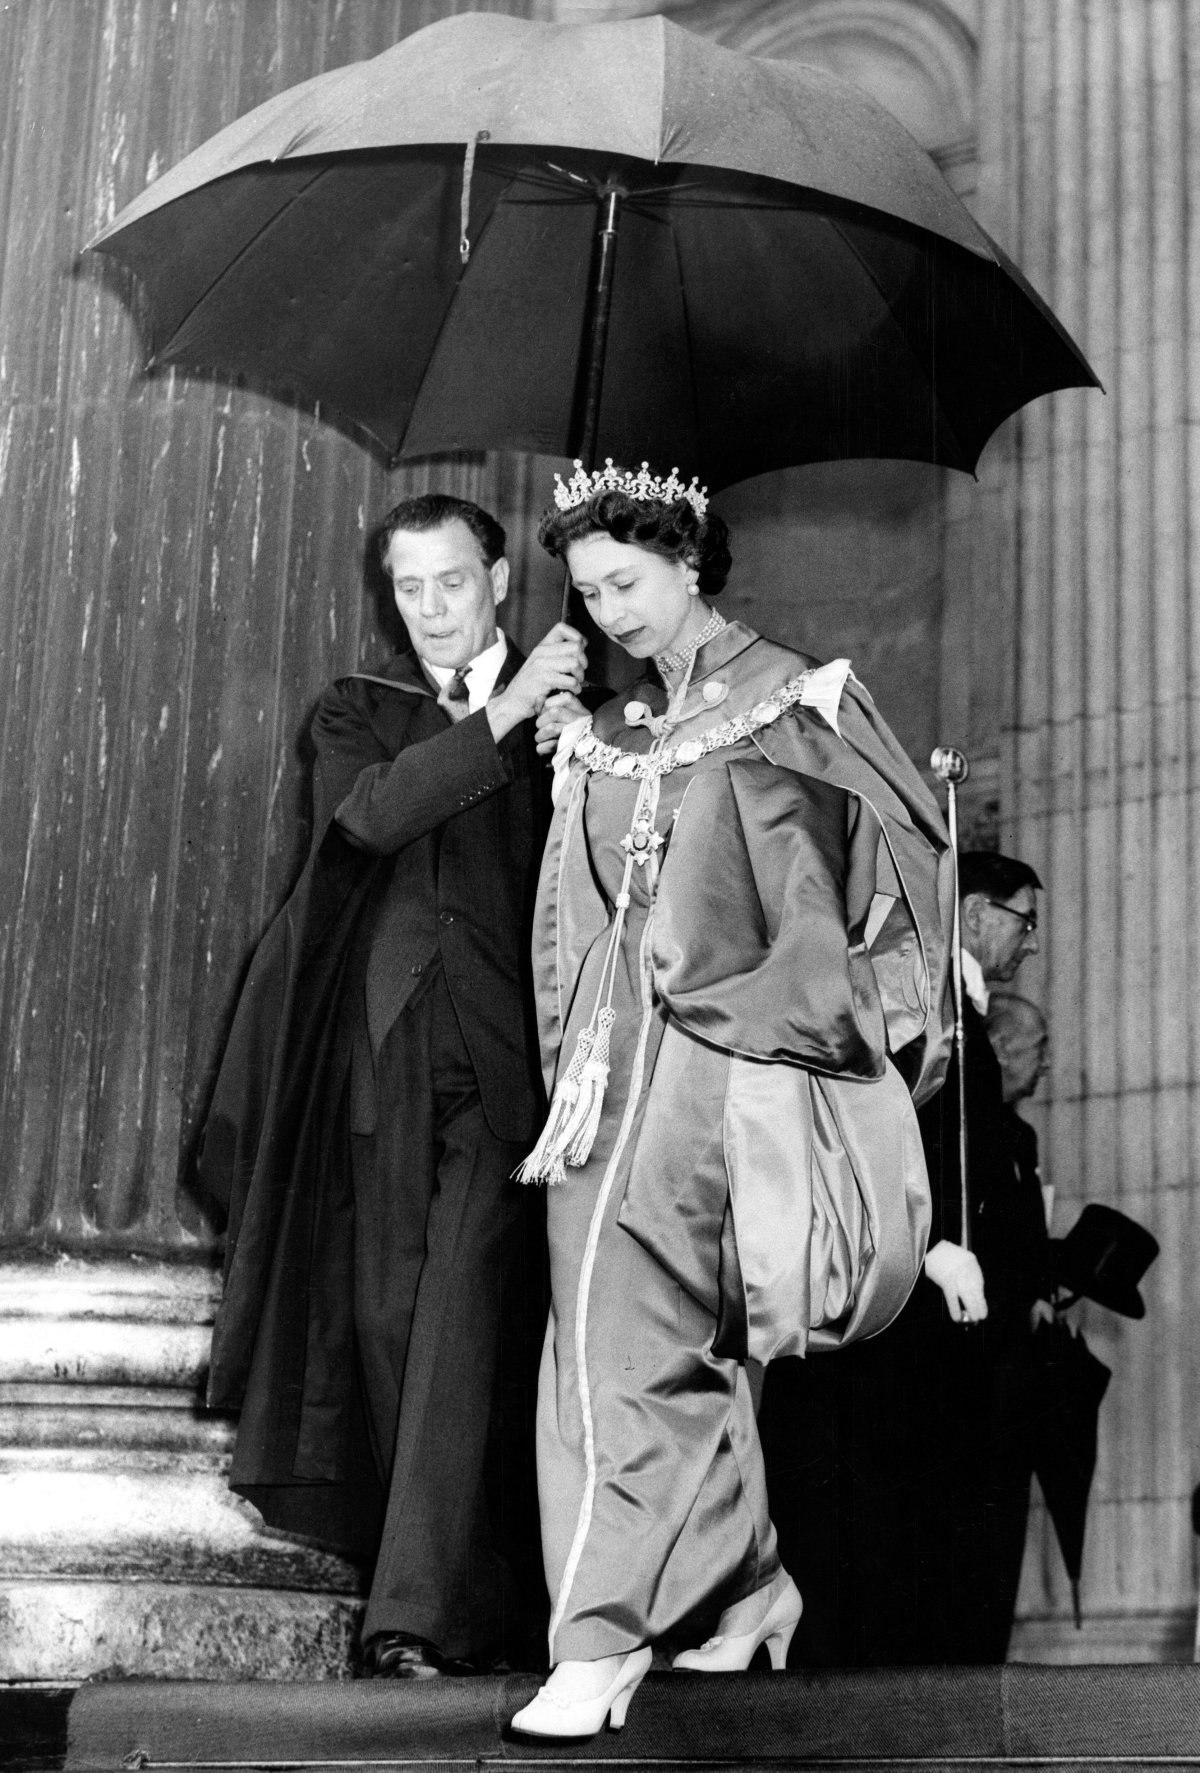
pixel 1016 1716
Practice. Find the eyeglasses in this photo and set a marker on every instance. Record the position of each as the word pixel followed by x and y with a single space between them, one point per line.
pixel 1028 918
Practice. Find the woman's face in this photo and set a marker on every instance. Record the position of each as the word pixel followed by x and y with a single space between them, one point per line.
pixel 637 598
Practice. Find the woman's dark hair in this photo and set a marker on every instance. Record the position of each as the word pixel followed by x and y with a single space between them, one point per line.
pixel 431 511
pixel 672 530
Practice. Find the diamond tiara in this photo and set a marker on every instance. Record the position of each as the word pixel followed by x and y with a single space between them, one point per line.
pixel 643 485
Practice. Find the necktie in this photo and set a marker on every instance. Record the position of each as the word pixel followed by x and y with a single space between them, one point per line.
pixel 455 697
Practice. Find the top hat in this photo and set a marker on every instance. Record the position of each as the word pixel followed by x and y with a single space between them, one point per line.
pixel 1103 1257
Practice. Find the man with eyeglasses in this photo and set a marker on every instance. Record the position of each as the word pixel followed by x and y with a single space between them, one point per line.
pixel 975 1534
pixel 998 897
pixel 899 1471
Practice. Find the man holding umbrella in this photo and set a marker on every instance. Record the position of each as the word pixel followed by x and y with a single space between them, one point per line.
pixel 384 1277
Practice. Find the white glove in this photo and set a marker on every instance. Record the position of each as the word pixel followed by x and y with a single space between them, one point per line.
pixel 960 1277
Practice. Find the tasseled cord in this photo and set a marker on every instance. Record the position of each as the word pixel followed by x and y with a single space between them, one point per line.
pixel 575 1107
pixel 578 1100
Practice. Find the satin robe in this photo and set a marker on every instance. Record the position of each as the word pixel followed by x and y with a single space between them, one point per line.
pixel 757 1182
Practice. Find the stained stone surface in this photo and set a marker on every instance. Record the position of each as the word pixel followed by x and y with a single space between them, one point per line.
pixel 74 1631
pixel 121 1546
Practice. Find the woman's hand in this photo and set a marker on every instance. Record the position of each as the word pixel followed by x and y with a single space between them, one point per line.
pixel 957 1272
pixel 558 711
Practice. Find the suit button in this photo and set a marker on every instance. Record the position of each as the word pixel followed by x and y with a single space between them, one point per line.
pixel 446 916
pixel 416 969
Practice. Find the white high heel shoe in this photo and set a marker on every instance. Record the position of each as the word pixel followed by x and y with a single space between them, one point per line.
pixel 563 1707
pixel 730 1649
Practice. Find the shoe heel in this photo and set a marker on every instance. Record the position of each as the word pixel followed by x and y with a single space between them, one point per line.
pixel 779 1643
pixel 620 1705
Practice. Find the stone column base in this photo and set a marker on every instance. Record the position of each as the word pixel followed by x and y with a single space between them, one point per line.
pixel 1166 1636
pixel 122 1551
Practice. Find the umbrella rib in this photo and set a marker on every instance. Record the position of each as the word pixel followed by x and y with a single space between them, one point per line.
pixel 629 207
pixel 241 253
pixel 567 193
pixel 566 201
pixel 585 189
pixel 886 300
pixel 715 202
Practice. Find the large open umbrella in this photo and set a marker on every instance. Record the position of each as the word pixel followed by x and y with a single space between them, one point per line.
pixel 614 239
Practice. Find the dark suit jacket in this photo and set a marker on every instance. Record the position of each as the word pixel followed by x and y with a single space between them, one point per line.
pixel 457 825
pixel 427 839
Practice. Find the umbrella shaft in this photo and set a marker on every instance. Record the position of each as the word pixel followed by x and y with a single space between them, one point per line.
pixel 600 308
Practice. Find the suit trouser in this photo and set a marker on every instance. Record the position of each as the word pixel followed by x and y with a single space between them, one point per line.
pixel 446 1263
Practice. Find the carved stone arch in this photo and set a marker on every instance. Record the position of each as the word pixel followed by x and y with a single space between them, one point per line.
pixel 917 57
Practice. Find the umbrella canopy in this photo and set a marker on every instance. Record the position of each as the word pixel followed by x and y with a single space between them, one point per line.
pixel 1068 1386
pixel 413 240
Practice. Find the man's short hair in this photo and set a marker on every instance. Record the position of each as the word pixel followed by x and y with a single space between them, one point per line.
pixel 431 511
pixel 1014 1022
pixel 993 875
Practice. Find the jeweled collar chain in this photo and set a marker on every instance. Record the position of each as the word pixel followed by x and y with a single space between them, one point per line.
pixel 676 661
pixel 598 758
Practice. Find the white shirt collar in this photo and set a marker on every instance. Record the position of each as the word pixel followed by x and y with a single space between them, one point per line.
pixel 974 982
pixel 482 672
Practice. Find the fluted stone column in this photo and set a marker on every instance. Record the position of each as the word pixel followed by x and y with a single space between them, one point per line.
pixel 121 1548
pixel 1090 140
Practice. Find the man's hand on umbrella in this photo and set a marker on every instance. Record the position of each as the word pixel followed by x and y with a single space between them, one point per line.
pixel 556 664
pixel 957 1272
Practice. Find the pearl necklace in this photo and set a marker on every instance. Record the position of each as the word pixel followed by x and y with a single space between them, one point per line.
pixel 677 660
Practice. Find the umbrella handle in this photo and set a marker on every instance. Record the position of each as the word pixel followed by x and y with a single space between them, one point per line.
pixel 951 767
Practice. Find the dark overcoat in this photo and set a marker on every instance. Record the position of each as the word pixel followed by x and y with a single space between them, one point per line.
pixel 467 817
pixel 899 1469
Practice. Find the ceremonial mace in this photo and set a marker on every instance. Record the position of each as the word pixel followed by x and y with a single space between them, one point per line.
pixel 951 767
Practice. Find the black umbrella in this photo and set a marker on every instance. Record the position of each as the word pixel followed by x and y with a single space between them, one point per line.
pixel 1068 1384
pixel 615 239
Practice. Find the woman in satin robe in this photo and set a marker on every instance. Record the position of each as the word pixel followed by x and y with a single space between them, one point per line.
pixel 740 953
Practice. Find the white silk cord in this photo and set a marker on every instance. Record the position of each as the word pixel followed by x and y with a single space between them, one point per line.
pixel 574 1117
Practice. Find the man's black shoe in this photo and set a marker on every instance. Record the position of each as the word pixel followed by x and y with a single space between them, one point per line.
pixel 398 1656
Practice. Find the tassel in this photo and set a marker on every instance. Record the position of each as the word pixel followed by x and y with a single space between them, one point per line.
pixel 580 1132
pixel 545 1161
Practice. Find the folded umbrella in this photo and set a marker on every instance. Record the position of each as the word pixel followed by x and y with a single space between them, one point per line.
pixel 1068 1384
